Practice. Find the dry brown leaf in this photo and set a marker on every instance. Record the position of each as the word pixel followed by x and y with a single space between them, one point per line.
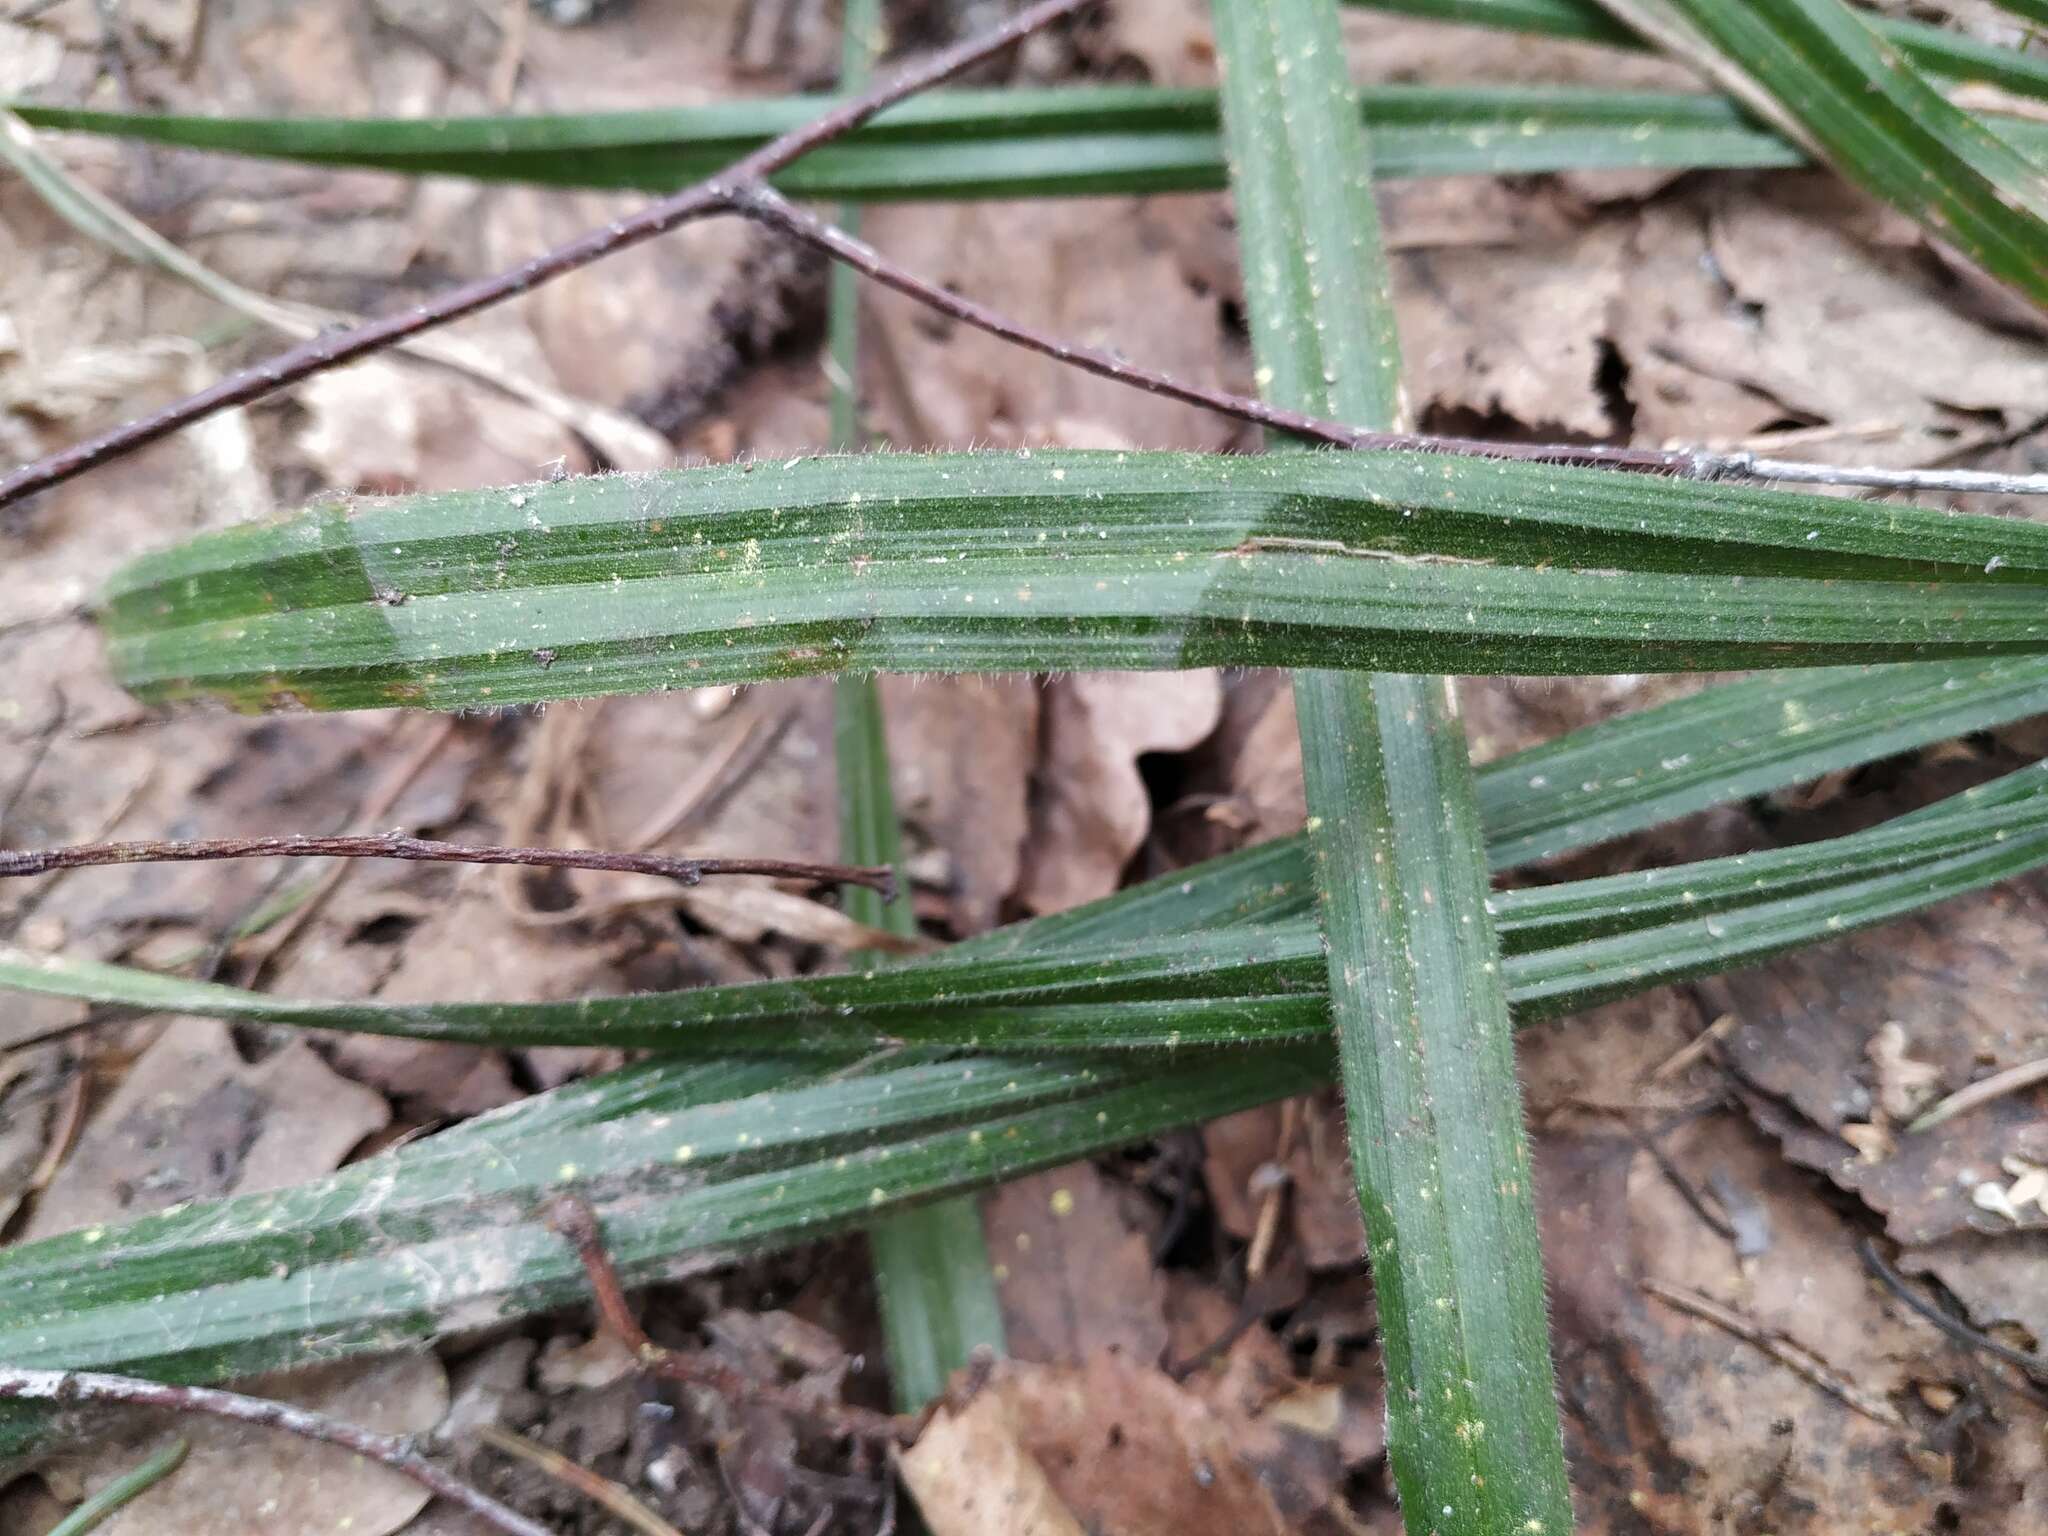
pixel 238 1478
pixel 971 1474
pixel 1093 807
pixel 1973 984
pixel 1677 1427
pixel 1112 1445
pixel 1103 271
pixel 1074 1275
pixel 961 750
pixel 1243 1150
pixel 192 1120
pixel 1513 331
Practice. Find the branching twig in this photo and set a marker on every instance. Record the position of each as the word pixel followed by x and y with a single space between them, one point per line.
pixel 63 1388
pixel 742 188
pixel 576 1222
pixel 756 200
pixel 37 861
pixel 330 350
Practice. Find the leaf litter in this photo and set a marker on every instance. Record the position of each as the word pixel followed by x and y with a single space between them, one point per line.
pixel 1160 1382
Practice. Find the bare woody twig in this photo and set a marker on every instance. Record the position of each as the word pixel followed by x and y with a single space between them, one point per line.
pixel 39 861
pixel 551 1463
pixel 1794 1356
pixel 1996 1086
pixel 706 198
pixel 577 1223
pixel 758 201
pixel 64 1388
pixel 742 188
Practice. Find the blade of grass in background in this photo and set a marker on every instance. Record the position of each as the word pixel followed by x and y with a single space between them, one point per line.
pixel 1939 50
pixel 1431 1101
pixel 1068 140
pixel 932 1279
pixel 1057 561
pixel 1817 69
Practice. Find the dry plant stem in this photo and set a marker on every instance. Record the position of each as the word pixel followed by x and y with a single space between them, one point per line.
pixel 601 1491
pixel 704 199
pixel 758 201
pixel 577 1223
pixel 683 871
pixel 1795 1357
pixel 1996 1086
pixel 64 1388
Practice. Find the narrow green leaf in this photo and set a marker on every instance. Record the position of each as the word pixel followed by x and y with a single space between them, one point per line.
pixel 1819 70
pixel 1567 947
pixel 1936 49
pixel 1408 952
pixel 936 1291
pixel 124 1489
pixel 1064 141
pixel 1051 561
pixel 446 1235
pixel 1735 740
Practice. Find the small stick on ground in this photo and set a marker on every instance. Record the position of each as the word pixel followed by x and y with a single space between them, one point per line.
pixel 1996 1086
pixel 577 1222
pixel 1795 1357
pixel 683 871
pixel 599 1490
pixel 57 1389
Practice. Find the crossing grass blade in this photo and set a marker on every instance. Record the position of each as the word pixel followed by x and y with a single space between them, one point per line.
pixel 1818 70
pixel 936 1292
pixel 445 1236
pixel 1055 561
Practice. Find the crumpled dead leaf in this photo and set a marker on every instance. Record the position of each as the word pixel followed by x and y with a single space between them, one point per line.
pixel 1074 1274
pixel 1111 1445
pixel 1093 806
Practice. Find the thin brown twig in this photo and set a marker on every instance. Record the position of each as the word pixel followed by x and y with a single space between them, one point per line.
pixel 575 1221
pixel 742 188
pixel 259 949
pixel 1997 1085
pixel 58 1389
pixel 598 1489
pixel 756 200
pixel 1794 1356
pixel 37 861
pixel 706 198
